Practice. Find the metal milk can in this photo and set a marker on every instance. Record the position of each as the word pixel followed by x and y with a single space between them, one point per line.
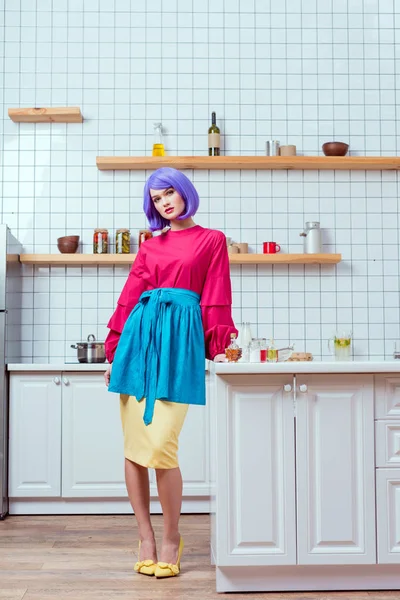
pixel 312 238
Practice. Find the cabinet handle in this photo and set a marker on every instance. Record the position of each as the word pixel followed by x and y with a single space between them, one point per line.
pixel 56 380
pixel 287 387
pixel 65 381
pixel 303 387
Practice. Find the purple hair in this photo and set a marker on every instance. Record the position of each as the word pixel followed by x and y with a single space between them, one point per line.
pixel 163 179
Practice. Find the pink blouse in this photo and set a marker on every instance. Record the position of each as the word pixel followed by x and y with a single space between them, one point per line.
pixel 194 259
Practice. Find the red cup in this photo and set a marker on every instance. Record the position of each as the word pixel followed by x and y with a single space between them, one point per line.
pixel 271 247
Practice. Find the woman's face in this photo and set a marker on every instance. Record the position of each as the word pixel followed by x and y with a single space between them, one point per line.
pixel 168 203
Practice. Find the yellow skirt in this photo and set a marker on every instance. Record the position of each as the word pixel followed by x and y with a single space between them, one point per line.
pixel 154 445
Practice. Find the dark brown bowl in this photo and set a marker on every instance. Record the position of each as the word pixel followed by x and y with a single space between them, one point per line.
pixel 68 238
pixel 335 148
pixel 68 244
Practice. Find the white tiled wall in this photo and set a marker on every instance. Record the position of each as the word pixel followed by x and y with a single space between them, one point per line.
pixel 300 71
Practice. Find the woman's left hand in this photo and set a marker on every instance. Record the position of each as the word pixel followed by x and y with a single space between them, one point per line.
pixel 220 358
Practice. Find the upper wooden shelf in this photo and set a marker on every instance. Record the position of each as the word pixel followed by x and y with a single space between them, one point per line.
pixel 66 114
pixel 127 259
pixel 343 163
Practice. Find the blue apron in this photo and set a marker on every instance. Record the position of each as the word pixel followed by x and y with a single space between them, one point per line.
pixel 161 351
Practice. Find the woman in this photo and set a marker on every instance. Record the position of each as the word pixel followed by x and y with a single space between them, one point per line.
pixel 174 310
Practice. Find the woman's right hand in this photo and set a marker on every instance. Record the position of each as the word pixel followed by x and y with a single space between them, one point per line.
pixel 107 375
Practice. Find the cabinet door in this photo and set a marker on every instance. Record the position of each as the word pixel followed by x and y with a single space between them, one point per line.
pixel 335 469
pixel 388 515
pixel 92 446
pixel 387 396
pixel 193 452
pixel 255 479
pixel 35 435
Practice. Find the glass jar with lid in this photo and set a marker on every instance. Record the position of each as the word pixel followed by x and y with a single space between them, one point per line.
pixel 122 241
pixel 100 241
pixel 255 349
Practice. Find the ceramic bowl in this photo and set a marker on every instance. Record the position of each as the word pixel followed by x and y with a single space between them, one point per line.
pixel 68 244
pixel 335 148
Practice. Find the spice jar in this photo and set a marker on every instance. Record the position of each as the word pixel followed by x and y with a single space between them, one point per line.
pixel 122 241
pixel 100 241
pixel 144 234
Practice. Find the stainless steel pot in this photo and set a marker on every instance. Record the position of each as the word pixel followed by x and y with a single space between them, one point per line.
pixel 90 351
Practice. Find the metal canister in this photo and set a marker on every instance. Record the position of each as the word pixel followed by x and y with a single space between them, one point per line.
pixel 272 148
pixel 312 238
pixel 122 241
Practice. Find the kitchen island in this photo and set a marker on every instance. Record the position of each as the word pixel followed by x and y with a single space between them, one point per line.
pixel 305 475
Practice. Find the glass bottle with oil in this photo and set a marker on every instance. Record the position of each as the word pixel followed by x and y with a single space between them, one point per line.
pixel 158 145
pixel 272 352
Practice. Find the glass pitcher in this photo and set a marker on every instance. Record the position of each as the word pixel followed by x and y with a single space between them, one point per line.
pixel 340 344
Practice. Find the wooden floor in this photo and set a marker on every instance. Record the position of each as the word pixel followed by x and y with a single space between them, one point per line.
pixel 91 558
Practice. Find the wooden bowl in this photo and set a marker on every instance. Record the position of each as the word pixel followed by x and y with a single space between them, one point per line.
pixel 335 148
pixel 68 244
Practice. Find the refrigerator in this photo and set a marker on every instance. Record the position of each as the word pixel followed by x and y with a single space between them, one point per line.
pixel 10 341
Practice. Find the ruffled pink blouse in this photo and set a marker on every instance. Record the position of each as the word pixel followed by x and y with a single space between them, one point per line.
pixel 194 259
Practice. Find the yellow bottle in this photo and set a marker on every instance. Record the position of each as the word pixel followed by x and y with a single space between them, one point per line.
pixel 272 352
pixel 158 146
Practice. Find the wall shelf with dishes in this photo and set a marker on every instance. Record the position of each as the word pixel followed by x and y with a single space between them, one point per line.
pixel 127 259
pixel 342 163
pixel 61 114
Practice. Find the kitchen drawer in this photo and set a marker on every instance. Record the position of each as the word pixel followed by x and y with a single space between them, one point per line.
pixel 387 436
pixel 387 396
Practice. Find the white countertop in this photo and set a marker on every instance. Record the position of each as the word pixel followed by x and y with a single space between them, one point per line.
pixel 102 367
pixel 314 366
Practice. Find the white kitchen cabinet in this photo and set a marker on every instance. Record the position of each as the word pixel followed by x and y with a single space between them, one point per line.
pixel 92 440
pixel 387 396
pixel 35 435
pixel 66 441
pixel 194 452
pixel 335 469
pixel 255 502
pixel 388 515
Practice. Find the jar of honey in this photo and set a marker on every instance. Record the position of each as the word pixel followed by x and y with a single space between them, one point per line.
pixel 122 241
pixel 100 241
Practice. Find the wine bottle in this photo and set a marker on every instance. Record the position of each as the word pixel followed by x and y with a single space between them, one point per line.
pixel 213 137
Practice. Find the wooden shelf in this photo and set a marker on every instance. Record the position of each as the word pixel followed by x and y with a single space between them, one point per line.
pixel 284 259
pixel 343 163
pixel 127 259
pixel 46 115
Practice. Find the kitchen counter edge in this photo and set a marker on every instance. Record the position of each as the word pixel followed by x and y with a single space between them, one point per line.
pixel 50 367
pixel 367 366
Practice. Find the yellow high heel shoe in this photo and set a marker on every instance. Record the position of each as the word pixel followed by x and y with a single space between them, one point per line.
pixel 168 569
pixel 145 567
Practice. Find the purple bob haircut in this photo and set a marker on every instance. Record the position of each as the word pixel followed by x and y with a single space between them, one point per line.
pixel 163 179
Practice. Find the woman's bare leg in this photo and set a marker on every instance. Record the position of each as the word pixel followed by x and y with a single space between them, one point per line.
pixel 169 484
pixel 137 483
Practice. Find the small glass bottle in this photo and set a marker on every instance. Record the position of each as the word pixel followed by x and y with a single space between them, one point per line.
pixel 122 241
pixel 272 352
pixel 233 352
pixel 263 350
pixel 100 241
pixel 158 145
